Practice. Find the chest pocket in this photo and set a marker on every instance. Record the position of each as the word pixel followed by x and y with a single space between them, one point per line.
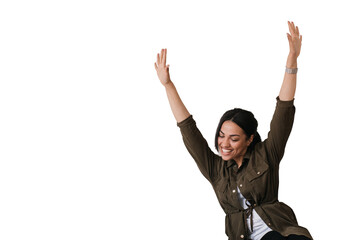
pixel 258 178
pixel 257 172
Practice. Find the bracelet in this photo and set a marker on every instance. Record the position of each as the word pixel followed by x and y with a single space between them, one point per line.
pixel 291 70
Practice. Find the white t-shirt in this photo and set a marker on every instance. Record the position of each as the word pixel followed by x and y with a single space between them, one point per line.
pixel 259 226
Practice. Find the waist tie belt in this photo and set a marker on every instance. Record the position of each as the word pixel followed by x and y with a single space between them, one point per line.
pixel 240 216
pixel 249 213
pixel 238 220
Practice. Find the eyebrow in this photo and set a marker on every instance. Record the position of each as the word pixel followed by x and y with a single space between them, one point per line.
pixel 233 135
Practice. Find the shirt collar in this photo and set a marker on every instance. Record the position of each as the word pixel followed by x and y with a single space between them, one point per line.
pixel 232 162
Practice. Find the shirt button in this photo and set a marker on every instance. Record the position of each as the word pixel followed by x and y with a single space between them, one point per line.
pixel 240 185
pixel 269 224
pixel 242 236
pixel 234 191
pixel 258 173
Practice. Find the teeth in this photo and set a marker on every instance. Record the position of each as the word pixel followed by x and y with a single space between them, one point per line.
pixel 226 151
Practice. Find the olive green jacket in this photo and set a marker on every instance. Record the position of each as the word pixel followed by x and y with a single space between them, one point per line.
pixel 257 178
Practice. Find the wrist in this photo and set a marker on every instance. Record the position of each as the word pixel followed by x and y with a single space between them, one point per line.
pixel 168 84
pixel 291 61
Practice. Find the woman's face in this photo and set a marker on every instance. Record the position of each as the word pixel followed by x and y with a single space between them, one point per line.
pixel 232 141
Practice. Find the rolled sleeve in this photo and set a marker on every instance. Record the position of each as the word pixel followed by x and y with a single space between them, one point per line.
pixel 282 103
pixel 186 121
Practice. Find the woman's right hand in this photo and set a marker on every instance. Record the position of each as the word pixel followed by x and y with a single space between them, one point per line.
pixel 161 68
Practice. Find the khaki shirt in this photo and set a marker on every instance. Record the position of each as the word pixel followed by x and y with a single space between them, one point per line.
pixel 257 178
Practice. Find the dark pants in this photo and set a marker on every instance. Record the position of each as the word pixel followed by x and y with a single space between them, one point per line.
pixel 277 236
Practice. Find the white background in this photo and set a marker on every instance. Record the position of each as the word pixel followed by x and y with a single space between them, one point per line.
pixel 89 148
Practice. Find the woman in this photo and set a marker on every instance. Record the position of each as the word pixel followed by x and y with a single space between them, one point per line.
pixel 245 176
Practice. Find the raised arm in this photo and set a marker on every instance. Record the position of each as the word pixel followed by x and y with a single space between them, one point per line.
pixel 177 106
pixel 193 139
pixel 287 91
pixel 283 118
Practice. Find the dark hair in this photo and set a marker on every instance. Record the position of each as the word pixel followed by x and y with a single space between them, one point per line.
pixel 243 119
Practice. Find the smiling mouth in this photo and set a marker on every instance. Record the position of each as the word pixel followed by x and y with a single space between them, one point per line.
pixel 226 151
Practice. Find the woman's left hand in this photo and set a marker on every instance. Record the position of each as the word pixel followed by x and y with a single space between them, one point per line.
pixel 294 39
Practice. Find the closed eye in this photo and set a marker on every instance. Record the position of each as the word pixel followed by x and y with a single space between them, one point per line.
pixel 222 135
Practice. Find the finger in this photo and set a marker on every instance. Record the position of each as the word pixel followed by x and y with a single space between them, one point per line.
pixel 300 38
pixel 156 68
pixel 290 28
pixel 293 28
pixel 297 31
pixel 161 56
pixel 158 59
pixel 289 37
pixel 165 52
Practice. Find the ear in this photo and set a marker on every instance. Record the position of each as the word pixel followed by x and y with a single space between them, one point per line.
pixel 250 139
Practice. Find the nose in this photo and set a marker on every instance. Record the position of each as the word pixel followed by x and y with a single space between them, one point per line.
pixel 225 143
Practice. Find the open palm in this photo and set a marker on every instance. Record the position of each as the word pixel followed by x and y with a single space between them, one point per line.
pixel 161 68
pixel 294 39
